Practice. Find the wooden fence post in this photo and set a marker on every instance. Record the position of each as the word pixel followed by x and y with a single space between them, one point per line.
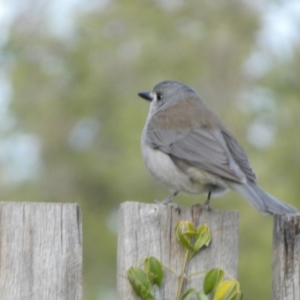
pixel 149 229
pixel 40 251
pixel 286 257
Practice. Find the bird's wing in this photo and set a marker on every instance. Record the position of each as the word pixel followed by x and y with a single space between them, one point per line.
pixel 238 154
pixel 204 148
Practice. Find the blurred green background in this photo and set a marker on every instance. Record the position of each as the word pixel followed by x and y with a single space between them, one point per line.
pixel 70 118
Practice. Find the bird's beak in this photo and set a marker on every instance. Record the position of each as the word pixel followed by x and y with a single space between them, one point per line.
pixel 146 95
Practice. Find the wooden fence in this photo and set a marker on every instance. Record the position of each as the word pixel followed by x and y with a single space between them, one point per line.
pixel 41 249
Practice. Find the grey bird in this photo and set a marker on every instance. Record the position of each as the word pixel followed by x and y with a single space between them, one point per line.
pixel 187 149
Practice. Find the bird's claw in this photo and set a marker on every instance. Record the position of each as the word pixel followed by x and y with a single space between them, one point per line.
pixel 204 206
pixel 168 201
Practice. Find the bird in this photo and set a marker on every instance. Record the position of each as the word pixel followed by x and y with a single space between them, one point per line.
pixel 187 149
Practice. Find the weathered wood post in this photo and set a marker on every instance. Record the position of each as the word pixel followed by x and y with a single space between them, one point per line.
pixel 40 251
pixel 286 257
pixel 149 229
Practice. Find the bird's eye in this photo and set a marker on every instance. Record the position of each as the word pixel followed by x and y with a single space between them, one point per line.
pixel 159 96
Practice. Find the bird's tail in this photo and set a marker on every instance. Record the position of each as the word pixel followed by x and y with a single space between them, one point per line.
pixel 263 201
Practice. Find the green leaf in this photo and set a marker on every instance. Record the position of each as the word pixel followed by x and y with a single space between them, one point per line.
pixel 140 283
pixel 188 293
pixel 227 290
pixel 190 238
pixel 186 242
pixel 212 280
pixel 237 296
pixel 203 237
pixel 192 292
pixel 154 270
pixel 202 296
pixel 184 227
pixel 184 233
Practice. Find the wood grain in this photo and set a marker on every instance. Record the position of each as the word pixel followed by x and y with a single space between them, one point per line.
pixel 286 257
pixel 40 251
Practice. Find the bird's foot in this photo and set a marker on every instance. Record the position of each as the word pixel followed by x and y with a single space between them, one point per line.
pixel 204 206
pixel 169 201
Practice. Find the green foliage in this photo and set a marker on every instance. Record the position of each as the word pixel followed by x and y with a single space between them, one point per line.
pixel 154 270
pixel 193 293
pixel 141 283
pixel 192 239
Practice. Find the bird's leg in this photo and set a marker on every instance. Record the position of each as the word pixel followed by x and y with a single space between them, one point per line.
pixel 206 204
pixel 169 200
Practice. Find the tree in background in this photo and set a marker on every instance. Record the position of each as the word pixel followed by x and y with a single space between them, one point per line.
pixel 71 131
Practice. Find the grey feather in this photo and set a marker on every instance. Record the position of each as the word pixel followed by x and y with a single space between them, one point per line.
pixel 203 148
pixel 261 200
pixel 238 154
